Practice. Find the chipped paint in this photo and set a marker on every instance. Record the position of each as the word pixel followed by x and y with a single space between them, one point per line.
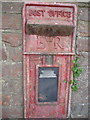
pixel 37 45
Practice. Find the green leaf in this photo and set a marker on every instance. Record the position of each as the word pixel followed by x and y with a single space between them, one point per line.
pixel 75 75
pixel 77 58
pixel 74 88
pixel 74 68
pixel 75 81
pixel 71 82
pixel 78 65
pixel 64 81
pixel 79 71
pixel 77 85
pixel 73 61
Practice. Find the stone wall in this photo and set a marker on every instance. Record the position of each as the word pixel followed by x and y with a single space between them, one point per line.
pixel 12 86
pixel 12 73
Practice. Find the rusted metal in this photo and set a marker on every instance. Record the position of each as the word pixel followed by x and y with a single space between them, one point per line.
pixel 49 31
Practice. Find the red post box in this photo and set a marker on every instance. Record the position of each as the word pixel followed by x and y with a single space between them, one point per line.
pixel 49 31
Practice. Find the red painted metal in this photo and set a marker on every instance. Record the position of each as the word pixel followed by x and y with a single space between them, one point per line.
pixel 35 49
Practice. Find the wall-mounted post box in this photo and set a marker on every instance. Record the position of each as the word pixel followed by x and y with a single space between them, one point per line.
pixel 48 47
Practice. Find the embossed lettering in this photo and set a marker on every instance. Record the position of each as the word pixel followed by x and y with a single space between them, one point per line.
pixel 50 13
pixel 61 13
pixel 36 13
pixel 57 43
pixel 40 44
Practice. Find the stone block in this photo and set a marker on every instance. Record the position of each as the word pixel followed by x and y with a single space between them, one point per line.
pixel 12 112
pixel 14 53
pixel 11 70
pixel 4 54
pixel 12 7
pixel 11 21
pixel 83 29
pixel 12 86
pixel 79 110
pixel 83 59
pixel 83 14
pixel 14 39
pixel 82 44
pixel 12 99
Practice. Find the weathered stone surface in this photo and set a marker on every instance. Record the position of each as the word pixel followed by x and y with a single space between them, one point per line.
pixel 14 39
pixel 79 110
pixel 12 70
pixel 82 44
pixel 82 93
pixel 14 53
pixel 82 4
pixel 4 54
pixel 82 29
pixel 83 14
pixel 11 21
pixel 83 59
pixel 12 7
pixel 12 99
pixel 12 112
pixel 12 85
pixel 79 99
pixel 0 53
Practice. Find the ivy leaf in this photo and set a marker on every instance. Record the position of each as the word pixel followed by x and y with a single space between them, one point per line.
pixel 75 81
pixel 77 58
pixel 73 61
pixel 78 65
pixel 71 82
pixel 76 75
pixel 79 71
pixel 64 81
pixel 74 87
pixel 74 69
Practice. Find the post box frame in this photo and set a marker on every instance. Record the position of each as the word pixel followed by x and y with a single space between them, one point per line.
pixel 26 55
pixel 58 92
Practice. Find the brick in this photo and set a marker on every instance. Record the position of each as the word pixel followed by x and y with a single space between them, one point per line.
pixel 12 112
pixel 11 70
pixel 14 39
pixel 12 7
pixel 83 14
pixel 11 21
pixel 83 29
pixel 82 44
pixel 14 53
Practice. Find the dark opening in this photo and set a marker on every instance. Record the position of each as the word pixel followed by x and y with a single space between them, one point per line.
pixel 49 30
pixel 48 84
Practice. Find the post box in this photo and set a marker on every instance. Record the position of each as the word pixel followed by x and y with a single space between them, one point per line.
pixel 49 31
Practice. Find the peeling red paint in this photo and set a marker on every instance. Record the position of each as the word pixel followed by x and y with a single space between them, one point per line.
pixel 35 49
